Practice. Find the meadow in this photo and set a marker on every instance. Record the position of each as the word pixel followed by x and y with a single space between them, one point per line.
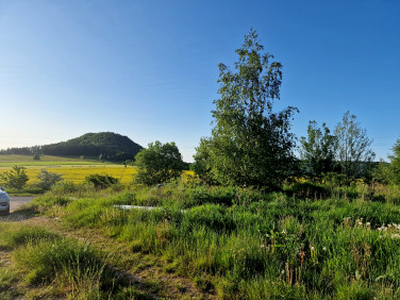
pixel 234 243
pixel 72 169
pixel 306 241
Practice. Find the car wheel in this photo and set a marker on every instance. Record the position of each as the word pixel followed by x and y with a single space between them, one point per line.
pixel 5 212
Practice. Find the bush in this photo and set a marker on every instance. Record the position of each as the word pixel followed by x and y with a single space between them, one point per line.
pixel 159 163
pixel 16 178
pixel 47 179
pixel 101 181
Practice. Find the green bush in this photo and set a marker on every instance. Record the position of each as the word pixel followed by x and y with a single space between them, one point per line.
pixel 48 201
pixel 47 179
pixel 15 178
pixel 101 181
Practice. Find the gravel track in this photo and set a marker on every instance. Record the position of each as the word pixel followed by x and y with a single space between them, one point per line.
pixel 17 216
pixel 18 201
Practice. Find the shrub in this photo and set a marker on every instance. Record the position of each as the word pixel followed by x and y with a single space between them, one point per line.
pixel 47 179
pixel 15 178
pixel 159 163
pixel 101 181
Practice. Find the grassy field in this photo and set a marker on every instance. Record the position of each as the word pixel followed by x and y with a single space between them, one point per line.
pixel 72 169
pixel 233 243
pixel 45 160
pixel 307 241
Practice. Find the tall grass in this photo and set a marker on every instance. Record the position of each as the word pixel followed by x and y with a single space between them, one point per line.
pixel 70 267
pixel 247 244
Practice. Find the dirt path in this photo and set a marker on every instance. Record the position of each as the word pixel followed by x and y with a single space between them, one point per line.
pixel 144 271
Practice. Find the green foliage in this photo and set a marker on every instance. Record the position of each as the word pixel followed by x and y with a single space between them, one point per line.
pixel 159 163
pixel 202 166
pixel 251 144
pixel 101 181
pixel 47 201
pixel 47 179
pixel 354 152
pixel 36 157
pixel 318 150
pixel 15 178
pixel 390 173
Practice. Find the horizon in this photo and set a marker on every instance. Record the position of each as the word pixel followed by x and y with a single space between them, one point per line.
pixel 148 70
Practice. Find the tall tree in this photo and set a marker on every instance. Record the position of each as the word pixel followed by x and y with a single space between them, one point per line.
pixel 318 150
pixel 354 153
pixel 251 144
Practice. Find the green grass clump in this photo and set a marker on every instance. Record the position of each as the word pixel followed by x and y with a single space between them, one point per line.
pixel 21 235
pixel 46 258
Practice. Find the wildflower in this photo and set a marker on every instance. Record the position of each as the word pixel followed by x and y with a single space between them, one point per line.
pixel 368 224
pixel 324 249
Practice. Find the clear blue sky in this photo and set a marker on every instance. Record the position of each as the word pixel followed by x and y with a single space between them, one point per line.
pixel 148 69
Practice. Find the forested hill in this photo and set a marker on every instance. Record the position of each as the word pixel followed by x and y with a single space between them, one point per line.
pixel 111 146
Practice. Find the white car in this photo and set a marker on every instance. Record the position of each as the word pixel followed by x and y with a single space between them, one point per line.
pixel 4 203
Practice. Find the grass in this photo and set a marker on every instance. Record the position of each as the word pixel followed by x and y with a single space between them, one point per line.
pixel 245 244
pixel 13 159
pixel 49 265
pixel 306 242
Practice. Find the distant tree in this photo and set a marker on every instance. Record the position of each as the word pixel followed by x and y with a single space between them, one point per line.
pixel 251 144
pixel 318 150
pixel 15 178
pixel 353 153
pixel 47 179
pixel 36 157
pixel 158 163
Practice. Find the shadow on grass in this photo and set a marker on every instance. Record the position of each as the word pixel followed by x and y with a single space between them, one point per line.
pixel 19 215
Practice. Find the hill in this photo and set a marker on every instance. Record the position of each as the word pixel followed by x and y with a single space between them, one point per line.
pixel 108 145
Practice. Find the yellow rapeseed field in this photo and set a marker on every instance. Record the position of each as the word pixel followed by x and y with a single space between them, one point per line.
pixel 77 173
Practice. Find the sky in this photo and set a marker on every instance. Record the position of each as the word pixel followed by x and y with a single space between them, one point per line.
pixel 148 69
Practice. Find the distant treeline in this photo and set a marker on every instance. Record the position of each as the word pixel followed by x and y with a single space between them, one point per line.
pixel 104 145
